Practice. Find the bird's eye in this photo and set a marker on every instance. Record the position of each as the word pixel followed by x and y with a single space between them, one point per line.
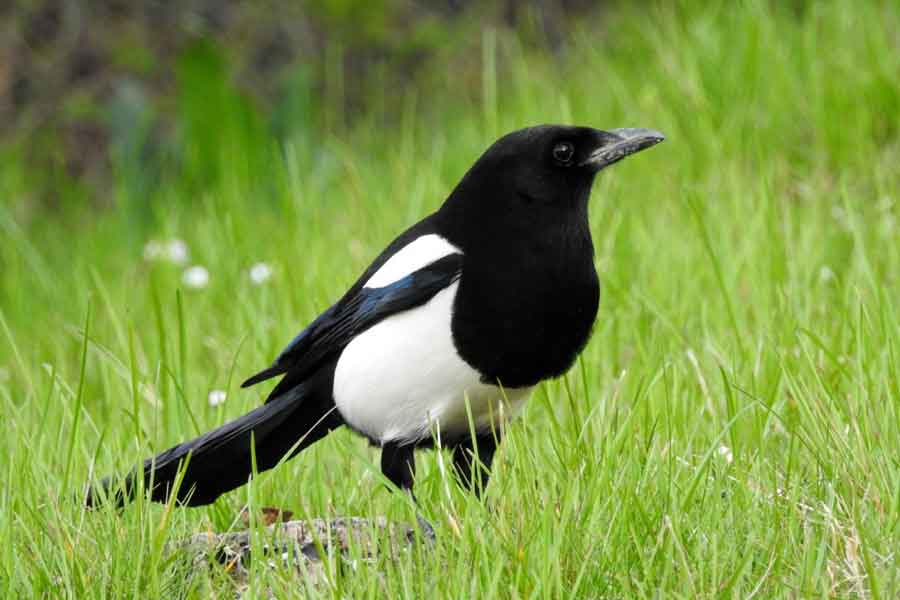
pixel 563 152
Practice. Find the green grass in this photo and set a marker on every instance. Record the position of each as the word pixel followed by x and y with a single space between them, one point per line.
pixel 750 269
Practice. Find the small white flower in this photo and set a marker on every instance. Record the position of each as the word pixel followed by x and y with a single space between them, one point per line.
pixel 260 272
pixel 725 452
pixel 177 251
pixel 196 277
pixel 826 274
pixel 174 251
pixel 152 250
pixel 216 397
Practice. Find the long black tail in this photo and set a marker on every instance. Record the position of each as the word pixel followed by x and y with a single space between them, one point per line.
pixel 221 460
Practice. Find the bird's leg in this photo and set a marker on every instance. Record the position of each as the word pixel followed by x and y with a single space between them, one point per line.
pixel 473 476
pixel 398 464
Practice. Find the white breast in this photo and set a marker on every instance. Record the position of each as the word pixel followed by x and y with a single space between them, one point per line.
pixel 402 378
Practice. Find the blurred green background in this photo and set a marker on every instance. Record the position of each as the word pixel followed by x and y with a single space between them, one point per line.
pixel 92 90
pixel 184 186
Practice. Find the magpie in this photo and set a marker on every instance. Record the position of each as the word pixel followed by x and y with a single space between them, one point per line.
pixel 452 325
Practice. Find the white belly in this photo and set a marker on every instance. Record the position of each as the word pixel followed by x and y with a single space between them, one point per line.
pixel 401 379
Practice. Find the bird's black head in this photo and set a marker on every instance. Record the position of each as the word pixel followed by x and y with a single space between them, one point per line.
pixel 531 178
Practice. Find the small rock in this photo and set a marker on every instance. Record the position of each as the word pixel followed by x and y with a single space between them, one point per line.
pixel 294 543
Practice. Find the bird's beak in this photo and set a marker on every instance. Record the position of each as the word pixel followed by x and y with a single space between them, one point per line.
pixel 619 144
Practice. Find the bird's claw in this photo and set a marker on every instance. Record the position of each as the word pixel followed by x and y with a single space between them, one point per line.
pixel 424 531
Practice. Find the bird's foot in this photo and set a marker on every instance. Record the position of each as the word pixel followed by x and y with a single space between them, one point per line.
pixel 424 531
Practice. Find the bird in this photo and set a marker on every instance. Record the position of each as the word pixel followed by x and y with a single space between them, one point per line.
pixel 452 325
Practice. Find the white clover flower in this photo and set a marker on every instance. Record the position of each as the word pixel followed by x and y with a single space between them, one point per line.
pixel 152 250
pixel 216 397
pixel 725 453
pixel 177 251
pixel 174 251
pixel 196 277
pixel 260 272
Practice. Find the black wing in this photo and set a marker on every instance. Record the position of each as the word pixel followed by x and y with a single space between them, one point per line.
pixel 358 310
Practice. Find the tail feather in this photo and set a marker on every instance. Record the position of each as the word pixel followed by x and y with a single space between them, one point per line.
pixel 220 460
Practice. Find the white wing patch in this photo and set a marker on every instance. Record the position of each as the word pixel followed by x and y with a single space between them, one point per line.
pixel 418 253
pixel 402 377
